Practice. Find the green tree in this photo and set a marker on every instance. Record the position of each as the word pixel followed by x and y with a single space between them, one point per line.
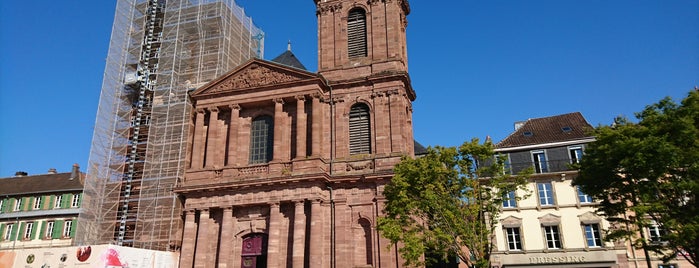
pixel 446 204
pixel 647 173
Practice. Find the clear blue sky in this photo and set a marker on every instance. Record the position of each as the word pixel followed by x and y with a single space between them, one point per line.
pixel 477 66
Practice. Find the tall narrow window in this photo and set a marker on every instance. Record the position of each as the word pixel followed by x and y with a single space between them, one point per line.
pixel 8 232
pixel 509 200
pixel 18 204
pixel 49 230
pixel 58 201
pixel 545 193
pixel 592 235
pixel 37 202
pixel 359 129
pixel 261 139
pixel 76 201
pixel 514 240
pixel 575 154
pixel 28 230
pixel 553 237
pixel 356 33
pixel 540 164
pixel 67 228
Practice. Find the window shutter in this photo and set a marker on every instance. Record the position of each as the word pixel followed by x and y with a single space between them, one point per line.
pixel 42 230
pixel 359 129
pixel 33 234
pixel 57 229
pixel 65 201
pixel 356 34
pixel 52 199
pixel 73 227
pixel 13 234
pixel 2 231
pixel 43 202
pixel 19 232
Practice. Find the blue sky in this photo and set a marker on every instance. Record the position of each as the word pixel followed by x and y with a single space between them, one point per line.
pixel 477 66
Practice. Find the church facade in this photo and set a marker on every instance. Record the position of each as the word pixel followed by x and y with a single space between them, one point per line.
pixel 286 167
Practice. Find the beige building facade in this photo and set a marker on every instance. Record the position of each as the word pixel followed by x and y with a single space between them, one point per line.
pixel 554 224
pixel 286 167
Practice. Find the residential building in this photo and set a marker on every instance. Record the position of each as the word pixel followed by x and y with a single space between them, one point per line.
pixel 286 167
pixel 556 225
pixel 159 52
pixel 39 211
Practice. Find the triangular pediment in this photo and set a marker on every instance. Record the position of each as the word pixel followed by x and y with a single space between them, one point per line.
pixel 254 74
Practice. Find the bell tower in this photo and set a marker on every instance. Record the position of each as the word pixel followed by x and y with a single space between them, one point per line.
pixel 358 38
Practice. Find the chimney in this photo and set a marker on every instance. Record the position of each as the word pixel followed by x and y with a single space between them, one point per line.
pixel 75 173
pixel 21 174
pixel 52 171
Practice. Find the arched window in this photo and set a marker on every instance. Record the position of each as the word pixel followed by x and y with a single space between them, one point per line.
pixel 359 129
pixel 261 139
pixel 356 33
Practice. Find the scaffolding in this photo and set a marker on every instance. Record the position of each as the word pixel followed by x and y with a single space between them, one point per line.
pixel 160 50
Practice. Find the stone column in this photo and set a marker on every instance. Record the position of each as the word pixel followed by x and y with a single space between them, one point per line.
pixel 316 140
pixel 212 138
pixel 316 243
pixel 300 127
pixel 299 235
pixel 277 154
pixel 202 250
pixel 228 222
pixel 233 135
pixel 273 242
pixel 189 237
pixel 199 140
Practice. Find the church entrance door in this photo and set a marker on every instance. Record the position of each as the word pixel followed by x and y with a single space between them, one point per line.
pixel 254 251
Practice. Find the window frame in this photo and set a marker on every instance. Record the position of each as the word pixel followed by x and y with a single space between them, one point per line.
pixel 513 239
pixel 575 153
pixel 75 201
pixel 57 202
pixel 67 228
pixel 37 202
pixel 552 236
pixel 592 235
pixel 359 129
pixel 510 200
pixel 357 45
pixel 261 140
pixel 8 232
pixel 50 225
pixel 18 204
pixel 548 197
pixel 655 233
pixel 583 198
pixel 540 163
pixel 28 228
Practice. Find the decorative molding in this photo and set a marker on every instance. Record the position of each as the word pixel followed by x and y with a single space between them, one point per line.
pixel 253 76
pixel 511 222
pixel 589 218
pixel 278 101
pixel 360 166
pixel 234 107
pixel 325 8
pixel 201 110
pixel 301 97
pixel 550 220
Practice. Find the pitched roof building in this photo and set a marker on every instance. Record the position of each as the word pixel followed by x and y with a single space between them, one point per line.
pixel 556 226
pixel 40 210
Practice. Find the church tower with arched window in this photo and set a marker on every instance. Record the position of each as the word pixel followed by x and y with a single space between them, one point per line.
pixel 286 167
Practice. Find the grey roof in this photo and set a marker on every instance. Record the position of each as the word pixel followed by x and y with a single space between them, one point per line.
pixel 289 59
pixel 557 128
pixel 45 183
pixel 418 148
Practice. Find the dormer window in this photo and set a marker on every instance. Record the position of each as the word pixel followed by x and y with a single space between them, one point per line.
pixel 356 33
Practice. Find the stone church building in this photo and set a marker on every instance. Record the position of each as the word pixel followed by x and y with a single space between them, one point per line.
pixel 286 166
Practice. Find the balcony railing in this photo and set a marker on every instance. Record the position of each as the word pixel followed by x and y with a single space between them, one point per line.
pixel 542 167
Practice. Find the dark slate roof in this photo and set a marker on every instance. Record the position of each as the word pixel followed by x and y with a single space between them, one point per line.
pixel 558 128
pixel 289 59
pixel 418 148
pixel 45 183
